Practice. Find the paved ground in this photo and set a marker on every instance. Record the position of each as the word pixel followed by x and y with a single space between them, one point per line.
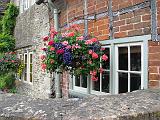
pixel 139 105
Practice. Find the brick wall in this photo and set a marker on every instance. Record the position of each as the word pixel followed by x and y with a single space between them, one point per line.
pixel 154 64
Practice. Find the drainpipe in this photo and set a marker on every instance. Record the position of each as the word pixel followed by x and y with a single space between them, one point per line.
pixel 54 12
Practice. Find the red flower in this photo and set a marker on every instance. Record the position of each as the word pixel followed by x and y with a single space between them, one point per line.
pixel 43 57
pixel 51 43
pixel 93 40
pixel 104 57
pixel 61 51
pixel 65 43
pixel 71 34
pixel 101 70
pixel 80 38
pixel 44 66
pixel 90 52
pixel 52 49
pixel 93 73
pixel 44 49
pixel 45 38
pixel 13 61
pixel 93 78
pixel 94 55
pixel 102 49
pixel 88 42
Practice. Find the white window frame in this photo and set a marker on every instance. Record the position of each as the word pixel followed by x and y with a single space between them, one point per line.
pixel 28 68
pixel 113 59
pixel 78 88
pixel 128 45
pixel 91 85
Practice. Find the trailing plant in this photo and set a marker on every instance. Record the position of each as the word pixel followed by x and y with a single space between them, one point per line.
pixel 73 52
pixel 8 62
pixel 7 81
pixel 7 43
pixel 9 19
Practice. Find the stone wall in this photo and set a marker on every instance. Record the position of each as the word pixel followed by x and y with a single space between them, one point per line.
pixel 138 105
pixel 30 27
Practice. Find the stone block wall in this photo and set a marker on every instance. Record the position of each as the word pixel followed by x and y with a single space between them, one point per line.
pixel 31 26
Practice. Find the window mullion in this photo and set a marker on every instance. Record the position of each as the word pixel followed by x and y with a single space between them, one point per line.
pixel 129 68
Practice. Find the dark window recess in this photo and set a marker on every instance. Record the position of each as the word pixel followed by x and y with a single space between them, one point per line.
pixel 105 82
pixel 123 82
pixel 84 81
pixel 123 58
pixel 77 81
pixel 106 64
pixel 135 83
pixel 135 58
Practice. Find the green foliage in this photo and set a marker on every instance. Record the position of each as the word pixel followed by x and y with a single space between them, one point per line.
pixel 8 62
pixel 7 43
pixel 9 19
pixel 7 81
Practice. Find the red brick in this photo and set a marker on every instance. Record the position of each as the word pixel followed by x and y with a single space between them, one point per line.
pixel 153 69
pixel 154 84
pixel 154 49
pixel 134 20
pixel 135 32
pixel 142 11
pixel 120 34
pixel 154 63
pixel 116 29
pixel 125 4
pixel 125 16
pixel 119 23
pixel 154 76
pixel 137 1
pixel 152 43
pixel 146 17
pixel 126 27
pixel 142 25
pixel 154 56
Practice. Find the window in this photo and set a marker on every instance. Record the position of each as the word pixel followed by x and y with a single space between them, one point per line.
pixel 103 83
pixel 129 67
pixel 125 71
pixel 28 66
pixel 25 4
pixel 25 66
pixel 21 60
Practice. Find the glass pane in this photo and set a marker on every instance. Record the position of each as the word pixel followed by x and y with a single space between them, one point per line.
pixel 135 58
pixel 106 64
pixel 30 67
pixel 96 84
pixel 135 82
pixel 30 58
pixel 84 81
pixel 123 82
pixel 30 77
pixel 77 81
pixel 105 82
pixel 25 58
pixel 123 58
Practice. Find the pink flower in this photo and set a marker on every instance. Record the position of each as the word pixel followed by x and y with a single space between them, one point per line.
pixel 90 52
pixel 61 51
pixel 101 70
pixel 80 38
pixel 52 49
pixel 45 38
pixel 93 40
pixel 90 62
pixel 44 49
pixel 71 34
pixel 68 47
pixel 77 46
pixel 65 43
pixel 64 34
pixel 88 42
pixel 104 57
pixel 44 66
pixel 52 35
pixel 93 78
pixel 51 43
pixel 102 49
pixel 43 57
pixel 94 55
pixel 93 73
pixel 13 61
pixel 51 61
